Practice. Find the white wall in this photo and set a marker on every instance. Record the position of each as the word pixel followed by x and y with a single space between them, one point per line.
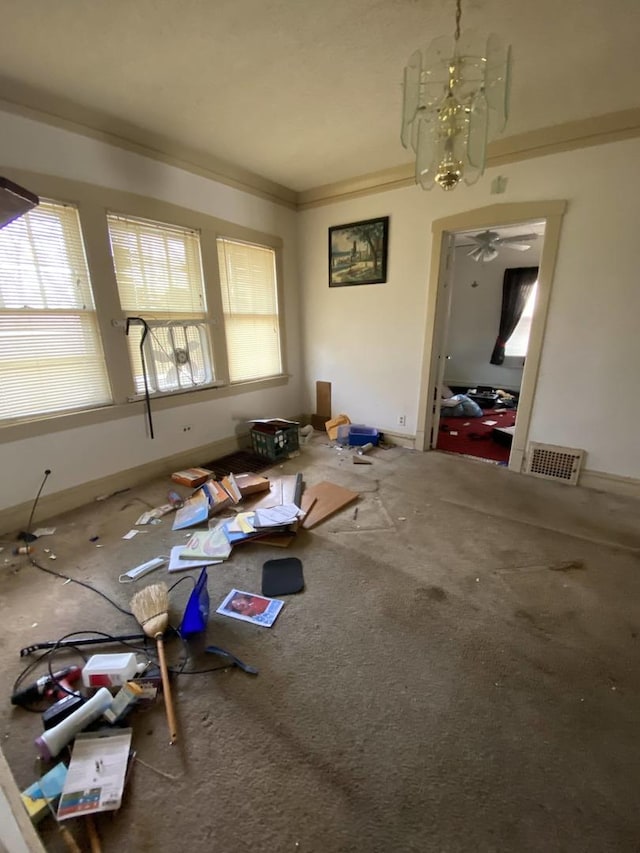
pixel 368 340
pixel 83 454
pixel 475 317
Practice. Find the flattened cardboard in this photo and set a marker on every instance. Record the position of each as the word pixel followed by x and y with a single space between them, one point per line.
pixel 329 498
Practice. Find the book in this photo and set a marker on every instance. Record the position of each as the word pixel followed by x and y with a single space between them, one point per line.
pixel 216 495
pixel 206 544
pixel 230 486
pixel 192 477
pixel 249 607
pixel 249 483
pixel 178 563
pixel 194 511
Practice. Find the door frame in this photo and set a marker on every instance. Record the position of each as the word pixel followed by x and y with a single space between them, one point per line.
pixel 495 215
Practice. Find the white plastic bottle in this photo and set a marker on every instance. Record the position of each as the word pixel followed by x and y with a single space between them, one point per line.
pixel 53 740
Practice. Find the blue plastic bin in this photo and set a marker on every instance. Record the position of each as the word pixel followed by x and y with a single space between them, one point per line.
pixel 359 435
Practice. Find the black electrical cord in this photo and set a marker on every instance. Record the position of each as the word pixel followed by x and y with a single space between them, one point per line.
pixel 80 583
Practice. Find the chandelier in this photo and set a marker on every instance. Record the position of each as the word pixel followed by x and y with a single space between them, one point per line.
pixel 455 99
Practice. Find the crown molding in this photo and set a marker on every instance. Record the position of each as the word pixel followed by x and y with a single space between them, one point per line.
pixel 29 102
pixel 612 127
pixel 22 99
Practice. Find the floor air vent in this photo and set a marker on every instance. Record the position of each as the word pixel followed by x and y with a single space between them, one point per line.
pixel 554 463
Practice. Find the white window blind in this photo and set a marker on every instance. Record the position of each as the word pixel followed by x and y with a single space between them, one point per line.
pixel 518 343
pixel 159 274
pixel 250 304
pixel 51 357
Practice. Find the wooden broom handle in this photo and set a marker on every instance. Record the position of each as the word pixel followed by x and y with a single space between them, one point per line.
pixel 94 838
pixel 166 689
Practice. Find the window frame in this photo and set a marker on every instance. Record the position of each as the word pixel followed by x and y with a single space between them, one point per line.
pixel 93 203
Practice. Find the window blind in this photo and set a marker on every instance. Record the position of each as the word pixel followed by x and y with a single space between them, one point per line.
pixel 159 274
pixel 157 267
pixel 51 357
pixel 250 305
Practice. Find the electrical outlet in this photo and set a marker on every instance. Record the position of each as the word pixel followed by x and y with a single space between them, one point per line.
pixel 186 428
pixel 402 420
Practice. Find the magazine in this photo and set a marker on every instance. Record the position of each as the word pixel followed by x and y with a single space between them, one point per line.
pixel 250 607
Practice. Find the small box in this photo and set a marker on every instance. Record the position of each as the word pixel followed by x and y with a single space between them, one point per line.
pixel 274 439
pixel 359 435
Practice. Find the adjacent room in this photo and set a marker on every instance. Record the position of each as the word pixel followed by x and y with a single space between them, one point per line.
pixel 339 302
pixel 493 285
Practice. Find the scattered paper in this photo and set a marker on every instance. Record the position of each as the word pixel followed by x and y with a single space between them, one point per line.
pixel 276 516
pixel 489 423
pixel 131 534
pixel 153 516
pixel 242 523
pixel 453 432
pixel 44 531
pixel 249 607
pixel 96 775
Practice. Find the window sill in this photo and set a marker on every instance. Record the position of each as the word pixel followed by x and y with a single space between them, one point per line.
pixel 46 424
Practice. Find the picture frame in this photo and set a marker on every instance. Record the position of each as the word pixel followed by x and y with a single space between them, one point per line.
pixel 358 252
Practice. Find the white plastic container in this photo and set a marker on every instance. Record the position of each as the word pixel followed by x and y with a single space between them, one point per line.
pixel 109 670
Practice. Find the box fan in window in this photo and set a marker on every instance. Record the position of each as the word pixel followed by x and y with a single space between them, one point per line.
pixel 177 356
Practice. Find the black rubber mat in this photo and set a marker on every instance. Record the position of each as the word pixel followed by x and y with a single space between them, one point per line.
pixel 238 463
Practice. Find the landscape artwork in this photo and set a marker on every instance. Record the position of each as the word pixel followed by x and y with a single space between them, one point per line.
pixel 358 252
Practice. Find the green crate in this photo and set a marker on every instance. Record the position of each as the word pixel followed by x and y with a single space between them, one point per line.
pixel 276 443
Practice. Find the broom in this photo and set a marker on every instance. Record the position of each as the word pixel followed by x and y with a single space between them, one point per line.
pixel 150 606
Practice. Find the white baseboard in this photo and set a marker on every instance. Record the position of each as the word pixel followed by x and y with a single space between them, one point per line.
pixel 408 441
pixel 614 483
pixel 15 517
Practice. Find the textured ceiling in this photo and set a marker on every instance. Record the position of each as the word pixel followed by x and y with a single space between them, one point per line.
pixel 302 92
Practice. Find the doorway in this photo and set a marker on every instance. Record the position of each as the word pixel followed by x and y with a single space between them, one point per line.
pixel 444 232
pixel 493 285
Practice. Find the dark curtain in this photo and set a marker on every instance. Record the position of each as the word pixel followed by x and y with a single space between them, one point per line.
pixel 516 289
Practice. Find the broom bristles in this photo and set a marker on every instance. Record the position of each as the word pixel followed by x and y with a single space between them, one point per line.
pixel 150 606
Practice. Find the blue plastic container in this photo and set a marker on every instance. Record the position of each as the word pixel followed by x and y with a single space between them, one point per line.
pixel 360 434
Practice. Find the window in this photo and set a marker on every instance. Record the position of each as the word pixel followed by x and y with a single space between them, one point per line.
pixel 51 357
pixel 250 305
pixel 518 343
pixel 159 274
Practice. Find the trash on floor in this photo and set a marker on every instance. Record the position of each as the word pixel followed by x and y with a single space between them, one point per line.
pixel 249 607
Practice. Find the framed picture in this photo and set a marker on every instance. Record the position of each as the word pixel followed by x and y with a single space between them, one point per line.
pixel 358 252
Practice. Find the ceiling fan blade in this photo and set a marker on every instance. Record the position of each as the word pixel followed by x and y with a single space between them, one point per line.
pixel 476 253
pixel 520 247
pixel 517 238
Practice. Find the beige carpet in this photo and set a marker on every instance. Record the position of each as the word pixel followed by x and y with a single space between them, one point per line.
pixel 460 673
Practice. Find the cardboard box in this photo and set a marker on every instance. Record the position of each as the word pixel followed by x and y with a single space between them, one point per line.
pixel 250 484
pixel 332 425
pixel 192 477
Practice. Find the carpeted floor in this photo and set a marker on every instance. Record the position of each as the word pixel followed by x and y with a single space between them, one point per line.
pixel 473 437
pixel 460 672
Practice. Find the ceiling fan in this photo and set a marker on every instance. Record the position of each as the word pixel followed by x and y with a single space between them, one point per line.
pixel 487 244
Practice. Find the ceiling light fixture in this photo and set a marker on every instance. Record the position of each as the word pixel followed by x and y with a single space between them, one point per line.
pixel 455 99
